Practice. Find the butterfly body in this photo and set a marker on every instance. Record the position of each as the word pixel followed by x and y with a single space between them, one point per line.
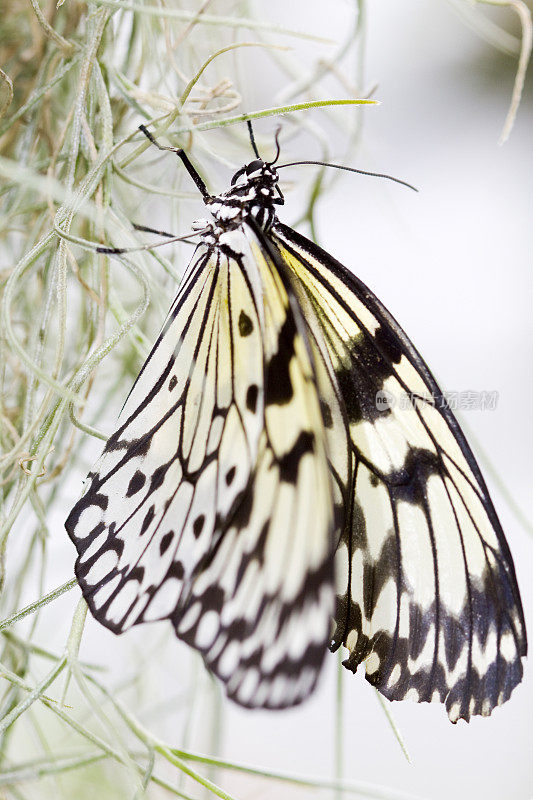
pixel 252 456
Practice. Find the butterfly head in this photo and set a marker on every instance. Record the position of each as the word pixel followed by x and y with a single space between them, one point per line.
pixel 256 180
pixel 253 192
pixel 256 170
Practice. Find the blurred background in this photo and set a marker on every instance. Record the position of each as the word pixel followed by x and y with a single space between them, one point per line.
pixel 452 263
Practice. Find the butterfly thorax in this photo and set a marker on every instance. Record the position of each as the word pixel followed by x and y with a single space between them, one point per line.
pixel 253 193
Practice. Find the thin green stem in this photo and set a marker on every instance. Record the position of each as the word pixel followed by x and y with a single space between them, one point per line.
pixel 210 19
pixel 36 694
pixel 66 47
pixel 40 603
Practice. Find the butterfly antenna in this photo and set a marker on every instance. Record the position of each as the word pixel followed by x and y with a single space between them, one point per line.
pixel 185 160
pixel 349 169
pixel 252 138
pixel 278 146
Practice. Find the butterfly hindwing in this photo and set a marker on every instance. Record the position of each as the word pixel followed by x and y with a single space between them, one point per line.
pixel 211 504
pixel 271 576
pixel 429 600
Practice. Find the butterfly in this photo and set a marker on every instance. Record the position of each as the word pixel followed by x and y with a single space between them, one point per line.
pixel 267 476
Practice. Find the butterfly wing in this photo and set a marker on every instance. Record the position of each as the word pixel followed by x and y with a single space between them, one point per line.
pixel 211 504
pixel 429 599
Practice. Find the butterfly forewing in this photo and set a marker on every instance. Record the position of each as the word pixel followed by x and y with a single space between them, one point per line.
pixel 211 504
pixel 429 599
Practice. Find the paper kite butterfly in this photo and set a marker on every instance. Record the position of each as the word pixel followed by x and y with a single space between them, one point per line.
pixel 255 488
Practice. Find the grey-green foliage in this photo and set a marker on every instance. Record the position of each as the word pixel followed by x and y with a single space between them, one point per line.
pixel 75 83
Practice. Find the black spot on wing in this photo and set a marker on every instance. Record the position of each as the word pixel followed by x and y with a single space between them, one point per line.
pixel 135 448
pixel 164 544
pixel 290 462
pixel 349 392
pixel 326 414
pixel 278 386
pixel 410 481
pixel 172 383
pixel 245 324
pixel 141 447
pixel 198 525
pixel 176 570
pixel 158 476
pixel 243 509
pixel 136 483
pixel 388 344
pixel 114 442
pixel 367 363
pixel 212 599
pixel 230 474
pixel 251 398
pixel 147 521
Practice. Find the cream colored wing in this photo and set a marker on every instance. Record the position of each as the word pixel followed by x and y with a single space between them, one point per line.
pixel 211 504
pixel 428 597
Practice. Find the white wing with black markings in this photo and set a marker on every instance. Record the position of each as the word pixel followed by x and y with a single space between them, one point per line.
pixel 211 503
pixel 429 599
pixel 284 421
